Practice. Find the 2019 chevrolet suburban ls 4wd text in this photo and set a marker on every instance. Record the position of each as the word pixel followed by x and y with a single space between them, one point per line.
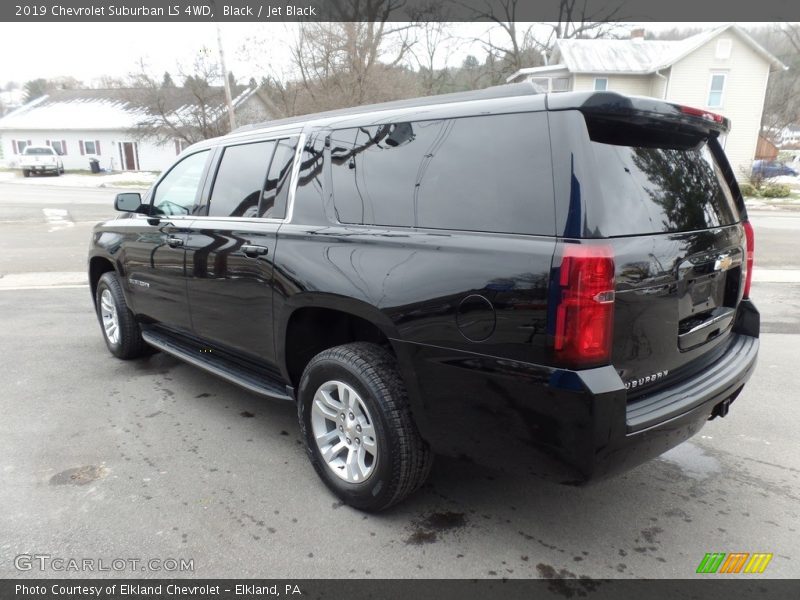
pixel 554 280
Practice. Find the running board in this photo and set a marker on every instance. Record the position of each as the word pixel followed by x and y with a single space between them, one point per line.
pixel 190 353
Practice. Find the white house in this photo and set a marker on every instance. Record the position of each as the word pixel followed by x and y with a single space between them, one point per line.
pixel 723 70
pixel 97 123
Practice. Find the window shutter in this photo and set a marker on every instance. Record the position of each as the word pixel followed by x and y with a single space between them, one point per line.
pixel 30 143
pixel 64 147
pixel 14 146
pixel 81 145
pixel 48 142
pixel 97 147
pixel 177 147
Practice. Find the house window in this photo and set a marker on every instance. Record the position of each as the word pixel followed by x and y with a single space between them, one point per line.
pixel 560 84
pixel 552 84
pixel 716 89
pixel 542 82
pixel 60 146
pixel 20 145
pixel 600 84
pixel 89 147
pixel 723 51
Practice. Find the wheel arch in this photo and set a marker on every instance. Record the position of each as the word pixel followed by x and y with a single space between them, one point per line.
pixel 293 355
pixel 315 322
pixel 98 265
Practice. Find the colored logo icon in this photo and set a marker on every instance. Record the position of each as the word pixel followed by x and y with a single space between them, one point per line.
pixel 734 562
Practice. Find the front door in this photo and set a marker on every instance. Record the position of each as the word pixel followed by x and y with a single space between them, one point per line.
pixel 154 259
pixel 129 156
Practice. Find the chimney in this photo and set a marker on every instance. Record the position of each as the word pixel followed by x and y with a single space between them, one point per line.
pixel 637 33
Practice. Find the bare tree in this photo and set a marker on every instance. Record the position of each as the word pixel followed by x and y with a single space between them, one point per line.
pixel 782 102
pixel 352 61
pixel 529 44
pixel 792 33
pixel 433 45
pixel 191 112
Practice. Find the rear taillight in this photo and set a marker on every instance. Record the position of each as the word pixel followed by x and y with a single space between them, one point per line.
pixel 751 248
pixel 584 316
pixel 703 114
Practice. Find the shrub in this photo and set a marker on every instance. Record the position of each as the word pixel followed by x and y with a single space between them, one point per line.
pixel 776 190
pixel 748 189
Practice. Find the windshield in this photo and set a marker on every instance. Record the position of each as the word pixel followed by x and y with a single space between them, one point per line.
pixel 39 151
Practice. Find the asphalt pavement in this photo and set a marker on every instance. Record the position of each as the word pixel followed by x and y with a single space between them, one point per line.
pixel 153 459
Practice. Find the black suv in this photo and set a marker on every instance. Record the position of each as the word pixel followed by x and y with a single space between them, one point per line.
pixel 554 280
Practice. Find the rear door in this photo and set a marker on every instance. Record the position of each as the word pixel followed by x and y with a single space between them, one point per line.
pixel 658 197
pixel 231 251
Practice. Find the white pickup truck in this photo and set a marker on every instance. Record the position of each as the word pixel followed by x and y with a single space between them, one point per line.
pixel 40 159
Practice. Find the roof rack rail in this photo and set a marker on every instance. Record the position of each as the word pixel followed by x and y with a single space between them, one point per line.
pixel 525 88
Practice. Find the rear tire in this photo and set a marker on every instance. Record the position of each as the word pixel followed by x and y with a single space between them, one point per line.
pixel 121 332
pixel 370 453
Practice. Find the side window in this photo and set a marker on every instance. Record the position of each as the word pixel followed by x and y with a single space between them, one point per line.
pixel 276 190
pixel 374 170
pixel 240 180
pixel 308 195
pixel 487 173
pixel 177 192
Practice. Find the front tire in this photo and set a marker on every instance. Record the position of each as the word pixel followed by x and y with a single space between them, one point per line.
pixel 26 173
pixel 120 330
pixel 358 429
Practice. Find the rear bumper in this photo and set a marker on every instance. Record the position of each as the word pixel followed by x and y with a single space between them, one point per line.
pixel 569 426
pixel 659 422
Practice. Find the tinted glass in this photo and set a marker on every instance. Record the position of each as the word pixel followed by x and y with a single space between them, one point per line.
pixel 489 173
pixel 308 195
pixel 374 172
pixel 240 180
pixel 38 151
pixel 177 192
pixel 654 190
pixel 276 191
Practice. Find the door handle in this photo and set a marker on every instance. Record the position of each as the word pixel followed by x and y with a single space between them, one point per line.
pixel 174 242
pixel 254 251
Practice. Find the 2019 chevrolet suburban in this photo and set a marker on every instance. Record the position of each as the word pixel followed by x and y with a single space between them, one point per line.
pixel 555 280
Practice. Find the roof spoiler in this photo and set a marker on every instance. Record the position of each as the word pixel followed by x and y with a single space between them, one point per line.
pixel 640 110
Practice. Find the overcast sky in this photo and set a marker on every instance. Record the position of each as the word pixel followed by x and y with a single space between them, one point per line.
pixel 87 51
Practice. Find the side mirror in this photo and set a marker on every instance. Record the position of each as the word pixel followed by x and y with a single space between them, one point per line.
pixel 128 202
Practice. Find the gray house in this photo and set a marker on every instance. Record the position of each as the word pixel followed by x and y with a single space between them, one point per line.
pixel 723 70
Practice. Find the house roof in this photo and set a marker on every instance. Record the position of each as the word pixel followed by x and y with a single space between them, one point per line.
pixel 640 56
pixel 100 109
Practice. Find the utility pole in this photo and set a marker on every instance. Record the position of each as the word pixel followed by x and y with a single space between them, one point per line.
pixel 228 98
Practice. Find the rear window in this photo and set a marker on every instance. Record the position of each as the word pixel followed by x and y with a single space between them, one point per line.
pixel 40 151
pixel 657 181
